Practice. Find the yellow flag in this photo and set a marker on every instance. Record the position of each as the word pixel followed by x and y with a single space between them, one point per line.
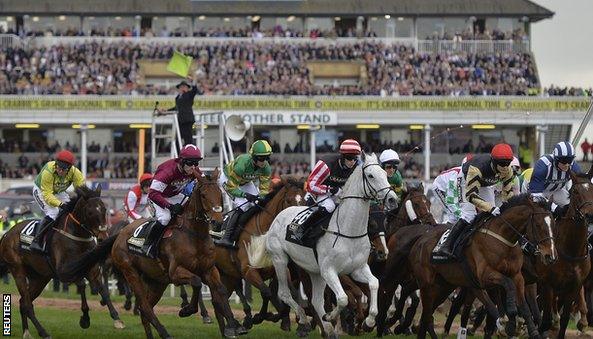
pixel 180 64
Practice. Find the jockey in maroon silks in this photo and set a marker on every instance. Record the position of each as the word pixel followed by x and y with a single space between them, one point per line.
pixel 166 191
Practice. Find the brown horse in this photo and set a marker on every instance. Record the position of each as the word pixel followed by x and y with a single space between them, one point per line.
pixel 492 258
pixel 186 257
pixel 415 209
pixel 564 278
pixel 234 264
pixel 81 221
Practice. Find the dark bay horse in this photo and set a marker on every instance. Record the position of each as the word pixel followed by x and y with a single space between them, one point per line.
pixel 492 257
pixel 565 277
pixel 234 264
pixel 81 221
pixel 414 210
pixel 186 257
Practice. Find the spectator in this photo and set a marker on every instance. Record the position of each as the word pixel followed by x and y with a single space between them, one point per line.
pixel 586 147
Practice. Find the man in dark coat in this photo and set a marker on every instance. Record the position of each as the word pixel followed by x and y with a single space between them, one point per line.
pixel 184 102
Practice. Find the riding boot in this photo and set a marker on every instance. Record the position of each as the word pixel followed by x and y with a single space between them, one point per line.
pixel 446 249
pixel 36 245
pixel 233 234
pixel 153 241
pixel 231 225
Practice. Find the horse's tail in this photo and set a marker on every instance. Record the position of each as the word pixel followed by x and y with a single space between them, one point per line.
pixel 257 253
pixel 79 267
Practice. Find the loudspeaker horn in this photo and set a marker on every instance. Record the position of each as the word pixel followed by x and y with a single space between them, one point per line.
pixel 235 128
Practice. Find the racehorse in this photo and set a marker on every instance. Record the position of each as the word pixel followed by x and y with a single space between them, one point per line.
pixel 185 257
pixel 123 286
pixel 492 258
pixel 565 277
pixel 234 264
pixel 414 209
pixel 343 249
pixel 81 221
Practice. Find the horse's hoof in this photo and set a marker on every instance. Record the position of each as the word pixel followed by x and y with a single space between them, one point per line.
pixel 187 311
pixel 303 330
pixel 386 331
pixel 581 327
pixel 240 330
pixel 248 322
pixel 230 332
pixel 136 312
pixel 206 319
pixel 273 317
pixel 84 322
pixel 258 319
pixel 127 305
pixel 119 324
pixel 285 325
pixel 184 304
pixel 333 335
pixel 27 335
pixel 102 302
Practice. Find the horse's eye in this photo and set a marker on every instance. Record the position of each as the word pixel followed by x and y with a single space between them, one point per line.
pixel 371 176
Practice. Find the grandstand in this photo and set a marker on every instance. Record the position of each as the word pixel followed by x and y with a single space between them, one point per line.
pixel 387 73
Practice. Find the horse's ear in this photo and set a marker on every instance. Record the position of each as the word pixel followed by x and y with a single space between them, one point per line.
pixel 98 190
pixel 363 156
pixel 216 174
pixel 421 187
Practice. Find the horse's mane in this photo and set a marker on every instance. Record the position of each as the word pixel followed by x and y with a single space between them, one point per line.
pixel 523 199
pixel 81 192
pixel 297 181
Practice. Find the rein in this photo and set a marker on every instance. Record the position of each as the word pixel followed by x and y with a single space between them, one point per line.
pixel 366 197
pixel 521 235
pixel 71 236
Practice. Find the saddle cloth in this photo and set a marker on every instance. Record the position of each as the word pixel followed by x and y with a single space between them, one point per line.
pixel 296 234
pixel 28 233
pixel 140 236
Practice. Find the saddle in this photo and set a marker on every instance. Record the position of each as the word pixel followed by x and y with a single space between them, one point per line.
pixel 29 232
pixel 462 241
pixel 296 234
pixel 141 235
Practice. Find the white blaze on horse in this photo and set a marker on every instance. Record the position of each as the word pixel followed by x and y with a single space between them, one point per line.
pixel 343 249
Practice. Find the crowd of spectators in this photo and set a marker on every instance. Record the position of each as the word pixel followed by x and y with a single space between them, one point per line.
pixel 271 68
pixel 214 32
pixel 568 91
pixel 517 35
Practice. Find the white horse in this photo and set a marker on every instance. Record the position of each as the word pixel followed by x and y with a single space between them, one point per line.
pixel 343 249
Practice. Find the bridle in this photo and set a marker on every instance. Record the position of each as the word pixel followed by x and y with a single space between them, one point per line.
pixel 369 193
pixel 522 238
pixel 92 234
pixel 578 209
pixel 201 214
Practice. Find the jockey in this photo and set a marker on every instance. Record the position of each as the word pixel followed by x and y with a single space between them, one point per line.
pixel 166 192
pixel 49 190
pixel 478 177
pixel 447 187
pixel 325 182
pixel 551 175
pixel 389 160
pixel 246 180
pixel 136 201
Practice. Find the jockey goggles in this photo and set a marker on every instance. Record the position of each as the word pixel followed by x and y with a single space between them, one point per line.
pixel 350 156
pixel 565 160
pixel 261 158
pixel 63 165
pixel 390 164
pixel 502 162
pixel 191 162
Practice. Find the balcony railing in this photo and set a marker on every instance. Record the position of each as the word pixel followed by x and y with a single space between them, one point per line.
pixel 422 46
